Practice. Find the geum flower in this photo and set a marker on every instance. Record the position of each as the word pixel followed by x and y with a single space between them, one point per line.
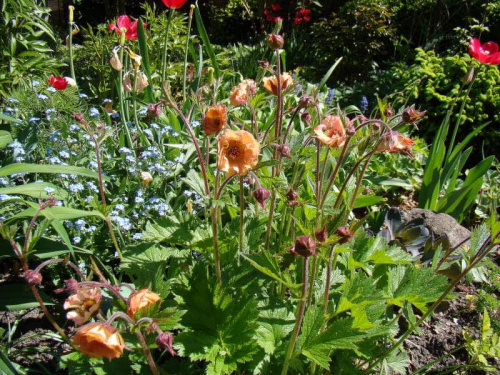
pixel 84 304
pixel 141 299
pixel 486 53
pixel 128 81
pixel 99 340
pixel 271 83
pixel 237 153
pixel 174 4
pixel 124 22
pixel 395 142
pixel 240 94
pixel 60 83
pixel 331 131
pixel 215 119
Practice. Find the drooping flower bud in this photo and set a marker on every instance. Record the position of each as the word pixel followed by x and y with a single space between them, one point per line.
pixel 264 64
pixel 388 112
pixel 79 118
pixel 261 196
pixel 115 62
pixel 350 131
pixel 215 119
pixel 155 110
pixel 345 234
pixel 275 41
pixel 70 287
pixel 165 341
pixel 411 115
pixel 292 197
pixel 284 150
pixel 306 101
pixel 128 81
pixel 306 118
pixel 321 235
pixel 33 277
pixel 146 178
pixel 304 246
pixel 469 76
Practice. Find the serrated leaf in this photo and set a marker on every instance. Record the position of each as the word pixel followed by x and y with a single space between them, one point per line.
pixel 268 265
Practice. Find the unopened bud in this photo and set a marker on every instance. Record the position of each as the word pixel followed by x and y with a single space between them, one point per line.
pixel 345 234
pixel 70 287
pixel 469 76
pixel 155 110
pixel 284 150
pixel 79 118
pixel 306 117
pixel 304 246
pixel 275 41
pixel 411 115
pixel 33 277
pixel 261 196
pixel 210 75
pixel 305 101
pixel 115 61
pixel 388 112
pixel 321 235
pixel 350 131
pixel 165 341
pixel 263 64
pixel 292 197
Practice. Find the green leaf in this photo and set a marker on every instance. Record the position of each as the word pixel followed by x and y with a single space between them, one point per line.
pixel 143 51
pixel 16 297
pixel 367 200
pixel 6 366
pixel 36 190
pixel 10 119
pixel 5 138
pixel 57 212
pixel 44 168
pixel 274 326
pixel 206 40
pixel 195 182
pixel 329 73
pixel 265 263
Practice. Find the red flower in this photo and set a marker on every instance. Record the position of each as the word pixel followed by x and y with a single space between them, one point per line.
pixel 297 20
pixel 174 4
pixel 486 53
pixel 304 12
pixel 129 26
pixel 59 83
pixel 276 7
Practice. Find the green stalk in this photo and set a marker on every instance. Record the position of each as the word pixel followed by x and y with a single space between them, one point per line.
pixel 71 24
pixel 242 209
pixel 120 98
pixel 300 317
pixel 164 57
pixel 186 52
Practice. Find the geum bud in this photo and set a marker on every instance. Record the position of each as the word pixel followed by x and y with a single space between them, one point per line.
pixel 275 41
pixel 141 299
pixel 261 196
pixel 304 246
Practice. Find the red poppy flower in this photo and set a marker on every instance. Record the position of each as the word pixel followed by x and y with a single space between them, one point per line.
pixel 174 4
pixel 304 12
pixel 297 20
pixel 129 26
pixel 59 83
pixel 486 53
pixel 276 7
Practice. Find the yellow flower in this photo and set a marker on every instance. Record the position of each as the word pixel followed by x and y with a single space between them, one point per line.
pixel 98 340
pixel 215 119
pixel 84 304
pixel 241 93
pixel 141 299
pixel 237 152
pixel 331 131
pixel 271 83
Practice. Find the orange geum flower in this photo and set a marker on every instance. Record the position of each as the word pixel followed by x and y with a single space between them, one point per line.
pixel 215 119
pixel 271 83
pixel 141 299
pixel 331 131
pixel 99 340
pixel 84 304
pixel 241 93
pixel 128 81
pixel 237 152
pixel 395 142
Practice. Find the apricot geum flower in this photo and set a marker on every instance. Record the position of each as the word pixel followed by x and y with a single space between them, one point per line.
pixel 395 142
pixel 215 119
pixel 237 152
pixel 331 131
pixel 128 83
pixel 99 340
pixel 240 94
pixel 141 299
pixel 124 22
pixel 271 83
pixel 486 53
pixel 84 304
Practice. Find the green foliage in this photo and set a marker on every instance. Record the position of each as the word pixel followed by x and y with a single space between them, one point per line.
pixel 25 38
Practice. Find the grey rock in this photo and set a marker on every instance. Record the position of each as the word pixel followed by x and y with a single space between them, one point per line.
pixel 442 225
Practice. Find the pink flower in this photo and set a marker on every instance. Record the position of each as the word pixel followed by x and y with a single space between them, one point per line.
pixel 129 26
pixel 486 53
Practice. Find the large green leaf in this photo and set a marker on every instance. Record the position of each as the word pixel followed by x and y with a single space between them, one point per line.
pixel 5 138
pixel 143 51
pixel 15 297
pixel 36 190
pixel 206 41
pixel 45 168
pixel 59 213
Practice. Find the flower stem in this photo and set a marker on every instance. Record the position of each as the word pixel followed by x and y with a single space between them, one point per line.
pixel 147 352
pixel 270 218
pixel 165 44
pixel 300 317
pixel 186 52
pixel 70 43
pixel 242 214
